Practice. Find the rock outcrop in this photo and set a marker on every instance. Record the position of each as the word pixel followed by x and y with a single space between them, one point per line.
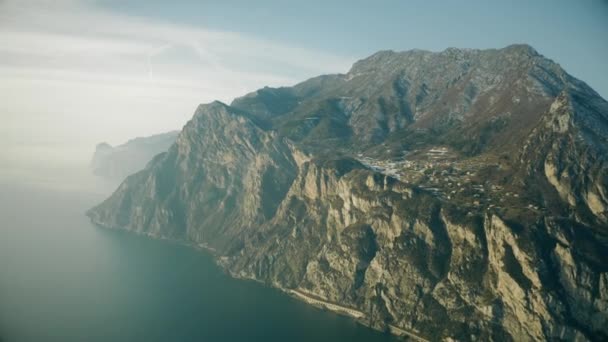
pixel 456 195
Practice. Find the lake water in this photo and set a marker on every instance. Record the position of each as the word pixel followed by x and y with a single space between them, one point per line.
pixel 63 279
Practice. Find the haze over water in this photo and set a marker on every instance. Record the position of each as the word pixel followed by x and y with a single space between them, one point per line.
pixel 63 279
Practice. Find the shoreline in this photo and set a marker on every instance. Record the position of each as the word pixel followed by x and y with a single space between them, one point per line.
pixel 308 298
pixel 297 294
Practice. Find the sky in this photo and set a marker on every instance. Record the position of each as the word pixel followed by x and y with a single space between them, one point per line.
pixel 77 72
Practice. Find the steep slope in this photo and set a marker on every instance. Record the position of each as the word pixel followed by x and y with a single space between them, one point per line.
pixel 224 174
pixel 458 194
pixel 120 161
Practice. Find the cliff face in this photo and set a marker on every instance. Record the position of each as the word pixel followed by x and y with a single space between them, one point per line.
pixel 120 161
pixel 459 194
pixel 224 174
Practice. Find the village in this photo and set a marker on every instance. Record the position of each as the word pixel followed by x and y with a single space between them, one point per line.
pixel 442 173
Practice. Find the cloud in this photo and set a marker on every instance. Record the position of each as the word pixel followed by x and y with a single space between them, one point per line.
pixel 74 72
pixel 78 35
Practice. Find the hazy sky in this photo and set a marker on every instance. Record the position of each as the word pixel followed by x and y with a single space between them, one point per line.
pixel 83 71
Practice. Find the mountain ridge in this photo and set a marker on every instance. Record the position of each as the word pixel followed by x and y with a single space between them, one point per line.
pixel 120 161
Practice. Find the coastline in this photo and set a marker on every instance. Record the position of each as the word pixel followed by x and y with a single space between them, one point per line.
pixel 298 294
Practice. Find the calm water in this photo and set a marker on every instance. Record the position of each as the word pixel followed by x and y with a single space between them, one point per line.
pixel 62 279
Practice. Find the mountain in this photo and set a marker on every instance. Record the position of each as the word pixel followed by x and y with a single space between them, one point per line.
pixel 454 195
pixel 120 161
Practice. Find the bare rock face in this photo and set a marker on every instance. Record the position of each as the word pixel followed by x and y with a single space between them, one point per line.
pixel 459 195
pixel 118 162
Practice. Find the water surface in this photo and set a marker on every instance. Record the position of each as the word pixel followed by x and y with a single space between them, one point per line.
pixel 63 279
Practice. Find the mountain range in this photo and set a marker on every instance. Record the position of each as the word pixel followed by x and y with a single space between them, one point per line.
pixel 118 162
pixel 454 195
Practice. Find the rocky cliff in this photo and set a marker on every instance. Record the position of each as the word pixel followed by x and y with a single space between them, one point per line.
pixel 120 161
pixel 455 195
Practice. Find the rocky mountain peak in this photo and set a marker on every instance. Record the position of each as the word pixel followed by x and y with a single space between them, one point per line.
pixel 522 49
pixel 212 108
pixel 389 59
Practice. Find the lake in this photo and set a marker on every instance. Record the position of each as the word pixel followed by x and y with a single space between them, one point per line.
pixel 63 279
